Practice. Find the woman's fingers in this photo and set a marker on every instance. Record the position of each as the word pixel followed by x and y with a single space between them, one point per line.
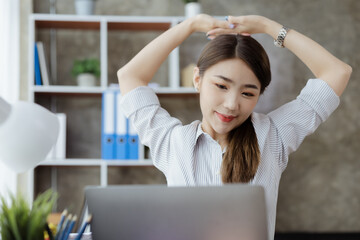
pixel 221 24
pixel 244 25
pixel 235 30
pixel 236 20
pixel 218 31
pixel 250 24
pixel 205 23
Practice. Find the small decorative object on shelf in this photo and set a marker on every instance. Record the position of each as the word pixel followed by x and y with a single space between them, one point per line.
pixel 86 71
pixel 187 74
pixel 192 8
pixel 18 221
pixel 84 7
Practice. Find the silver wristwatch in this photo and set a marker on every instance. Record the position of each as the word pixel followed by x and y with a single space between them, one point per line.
pixel 279 42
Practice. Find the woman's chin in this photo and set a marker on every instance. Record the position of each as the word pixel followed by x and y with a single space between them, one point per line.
pixel 222 130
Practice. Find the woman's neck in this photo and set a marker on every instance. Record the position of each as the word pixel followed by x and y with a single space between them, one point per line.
pixel 221 139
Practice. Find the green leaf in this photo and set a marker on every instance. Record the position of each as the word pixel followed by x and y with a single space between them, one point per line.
pixel 88 65
pixel 19 222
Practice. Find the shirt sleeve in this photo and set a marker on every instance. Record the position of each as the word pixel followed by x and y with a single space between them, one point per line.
pixel 153 124
pixel 302 116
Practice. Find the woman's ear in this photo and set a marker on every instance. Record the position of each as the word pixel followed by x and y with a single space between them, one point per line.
pixel 196 78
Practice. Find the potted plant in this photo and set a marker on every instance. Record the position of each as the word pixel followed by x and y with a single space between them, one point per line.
pixel 86 71
pixel 192 8
pixel 18 221
pixel 84 7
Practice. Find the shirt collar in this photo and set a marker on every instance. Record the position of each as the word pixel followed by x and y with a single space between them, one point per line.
pixel 199 131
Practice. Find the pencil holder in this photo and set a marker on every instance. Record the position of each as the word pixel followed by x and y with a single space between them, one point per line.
pixel 85 236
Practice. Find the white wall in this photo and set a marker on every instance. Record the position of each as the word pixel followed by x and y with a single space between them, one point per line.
pixel 9 78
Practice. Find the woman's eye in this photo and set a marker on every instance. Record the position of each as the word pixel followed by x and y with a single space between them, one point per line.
pixel 221 86
pixel 247 94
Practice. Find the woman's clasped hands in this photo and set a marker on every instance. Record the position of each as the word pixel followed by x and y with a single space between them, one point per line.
pixel 244 25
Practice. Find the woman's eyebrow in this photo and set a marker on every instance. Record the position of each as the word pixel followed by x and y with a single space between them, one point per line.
pixel 224 78
pixel 251 86
pixel 231 81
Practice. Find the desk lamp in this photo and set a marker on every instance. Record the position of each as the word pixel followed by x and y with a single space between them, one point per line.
pixel 27 133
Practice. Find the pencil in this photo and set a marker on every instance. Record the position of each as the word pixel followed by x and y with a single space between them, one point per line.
pixel 70 228
pixel 65 227
pixel 82 230
pixel 59 226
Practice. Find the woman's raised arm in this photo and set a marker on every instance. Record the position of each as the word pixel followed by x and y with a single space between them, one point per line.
pixel 322 63
pixel 142 68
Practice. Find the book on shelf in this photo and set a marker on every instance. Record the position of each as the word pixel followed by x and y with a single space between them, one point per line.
pixel 108 125
pixel 43 64
pixel 58 151
pixel 37 73
pixel 119 140
pixel 133 142
pixel 120 130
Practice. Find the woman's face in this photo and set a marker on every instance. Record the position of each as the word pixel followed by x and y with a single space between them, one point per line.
pixel 229 91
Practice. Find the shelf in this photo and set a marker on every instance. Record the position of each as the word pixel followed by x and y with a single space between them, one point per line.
pixel 138 23
pixel 68 24
pixel 167 90
pixel 96 162
pixel 67 89
pixel 64 90
pixel 179 92
pixel 155 26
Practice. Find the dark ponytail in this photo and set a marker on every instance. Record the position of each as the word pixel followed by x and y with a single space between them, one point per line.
pixel 242 157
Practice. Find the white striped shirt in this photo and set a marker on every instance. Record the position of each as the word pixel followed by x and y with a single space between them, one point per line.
pixel 190 157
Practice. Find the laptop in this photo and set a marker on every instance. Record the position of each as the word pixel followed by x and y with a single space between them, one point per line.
pixel 158 212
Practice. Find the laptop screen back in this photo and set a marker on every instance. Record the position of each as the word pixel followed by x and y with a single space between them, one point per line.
pixel 152 212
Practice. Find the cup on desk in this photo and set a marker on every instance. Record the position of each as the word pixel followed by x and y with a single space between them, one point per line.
pixel 85 236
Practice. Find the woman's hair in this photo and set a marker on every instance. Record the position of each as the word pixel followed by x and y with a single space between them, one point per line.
pixel 242 157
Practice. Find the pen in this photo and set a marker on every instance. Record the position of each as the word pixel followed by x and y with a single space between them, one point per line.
pixel 65 227
pixel 70 228
pixel 63 215
pixel 82 230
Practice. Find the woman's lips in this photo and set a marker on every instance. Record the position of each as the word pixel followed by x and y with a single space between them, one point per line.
pixel 225 118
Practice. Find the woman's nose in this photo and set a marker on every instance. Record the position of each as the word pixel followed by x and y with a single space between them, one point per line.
pixel 232 102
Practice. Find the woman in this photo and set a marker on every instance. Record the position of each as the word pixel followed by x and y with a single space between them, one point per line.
pixel 231 143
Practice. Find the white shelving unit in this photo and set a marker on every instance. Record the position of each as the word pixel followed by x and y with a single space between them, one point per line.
pixel 103 24
pixel 96 162
pixel 99 90
pixel 99 163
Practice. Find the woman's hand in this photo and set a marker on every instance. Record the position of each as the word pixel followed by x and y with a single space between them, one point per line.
pixel 205 23
pixel 245 25
pixel 322 63
pixel 142 68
